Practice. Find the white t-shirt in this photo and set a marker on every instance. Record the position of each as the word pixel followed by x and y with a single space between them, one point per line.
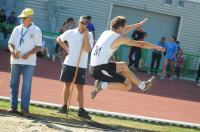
pixel 75 41
pixel 32 38
pixel 102 51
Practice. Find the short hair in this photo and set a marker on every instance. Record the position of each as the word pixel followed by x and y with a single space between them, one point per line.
pixel 83 17
pixel 118 22
pixel 70 19
pixel 163 38
pixel 89 18
pixel 12 12
pixel 145 33
pixel 174 38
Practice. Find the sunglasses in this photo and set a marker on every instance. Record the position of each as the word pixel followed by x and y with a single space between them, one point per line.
pixel 28 17
pixel 83 23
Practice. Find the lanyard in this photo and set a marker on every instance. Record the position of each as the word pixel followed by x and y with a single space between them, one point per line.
pixel 22 35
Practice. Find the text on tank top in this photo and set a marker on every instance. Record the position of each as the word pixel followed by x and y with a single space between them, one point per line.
pixel 102 51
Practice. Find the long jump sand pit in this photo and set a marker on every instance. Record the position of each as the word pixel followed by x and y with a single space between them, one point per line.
pixel 22 124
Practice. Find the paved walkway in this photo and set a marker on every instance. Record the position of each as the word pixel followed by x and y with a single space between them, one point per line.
pixel 177 100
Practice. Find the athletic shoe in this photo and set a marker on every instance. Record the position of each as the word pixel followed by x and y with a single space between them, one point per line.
pixel 84 114
pixel 63 109
pixel 25 112
pixel 198 84
pixel 96 89
pixel 132 68
pixel 148 83
pixel 149 72
pixel 13 110
pixel 171 78
pixel 162 77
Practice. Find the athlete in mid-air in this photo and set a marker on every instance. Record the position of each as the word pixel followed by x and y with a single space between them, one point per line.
pixel 116 75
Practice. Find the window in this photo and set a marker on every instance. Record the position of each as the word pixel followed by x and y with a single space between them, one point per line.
pixel 181 3
pixel 168 2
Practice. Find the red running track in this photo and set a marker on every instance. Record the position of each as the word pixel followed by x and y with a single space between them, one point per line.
pixel 177 100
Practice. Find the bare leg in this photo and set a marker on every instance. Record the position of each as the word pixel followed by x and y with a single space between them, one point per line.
pixel 120 86
pixel 66 92
pixel 172 67
pixel 165 67
pixel 80 97
pixel 123 69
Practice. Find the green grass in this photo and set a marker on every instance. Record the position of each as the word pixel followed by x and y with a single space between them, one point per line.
pixel 111 121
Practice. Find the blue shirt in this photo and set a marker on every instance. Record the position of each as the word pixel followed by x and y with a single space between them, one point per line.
pixel 171 49
pixel 90 27
pixel 12 20
pixel 161 44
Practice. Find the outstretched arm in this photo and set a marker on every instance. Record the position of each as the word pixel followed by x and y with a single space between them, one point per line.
pixel 129 28
pixel 130 42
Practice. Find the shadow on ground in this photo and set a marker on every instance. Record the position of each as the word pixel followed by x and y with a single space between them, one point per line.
pixel 71 122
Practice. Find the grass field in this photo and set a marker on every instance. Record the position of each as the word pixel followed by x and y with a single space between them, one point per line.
pixel 110 121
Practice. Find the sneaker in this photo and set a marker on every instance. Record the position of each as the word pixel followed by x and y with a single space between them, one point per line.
pixel 198 84
pixel 148 83
pixel 155 73
pixel 162 78
pixel 149 72
pixel 131 67
pixel 63 109
pixel 25 112
pixel 13 110
pixel 84 114
pixel 171 78
pixel 96 89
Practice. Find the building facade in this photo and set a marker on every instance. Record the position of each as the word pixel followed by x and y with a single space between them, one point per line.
pixel 166 17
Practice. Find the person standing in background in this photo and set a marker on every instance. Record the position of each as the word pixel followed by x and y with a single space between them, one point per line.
pixel 170 57
pixel 68 24
pixel 138 34
pixel 3 20
pixel 198 76
pixel 2 16
pixel 60 53
pixel 180 62
pixel 90 26
pixel 12 19
pixel 157 55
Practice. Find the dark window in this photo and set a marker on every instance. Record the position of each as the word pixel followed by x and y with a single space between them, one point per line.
pixel 181 3
pixel 168 2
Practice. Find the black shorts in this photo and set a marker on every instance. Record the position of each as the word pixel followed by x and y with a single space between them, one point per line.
pixel 67 74
pixel 106 73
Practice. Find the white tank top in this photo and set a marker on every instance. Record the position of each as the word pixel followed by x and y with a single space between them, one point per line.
pixel 102 51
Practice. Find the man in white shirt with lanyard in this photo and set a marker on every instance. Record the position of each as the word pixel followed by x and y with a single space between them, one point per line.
pixel 116 75
pixel 25 41
pixel 75 38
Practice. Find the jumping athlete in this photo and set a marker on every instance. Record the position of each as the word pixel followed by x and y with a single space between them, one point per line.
pixel 116 75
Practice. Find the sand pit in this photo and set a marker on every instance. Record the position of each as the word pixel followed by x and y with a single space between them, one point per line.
pixel 21 124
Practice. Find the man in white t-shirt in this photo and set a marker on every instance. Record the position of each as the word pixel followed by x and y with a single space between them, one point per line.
pixel 25 41
pixel 75 38
pixel 116 75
